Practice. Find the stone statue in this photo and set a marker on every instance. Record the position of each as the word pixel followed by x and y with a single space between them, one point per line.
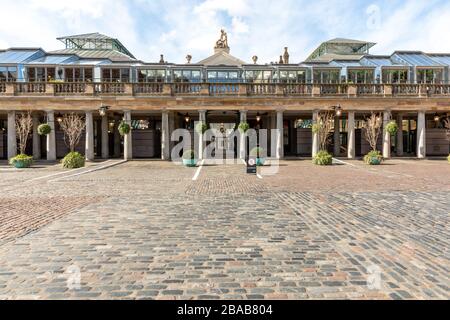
pixel 223 41
pixel 286 56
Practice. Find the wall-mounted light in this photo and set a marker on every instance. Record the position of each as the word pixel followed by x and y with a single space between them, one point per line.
pixel 338 110
pixel 59 117
pixel 436 117
pixel 103 110
pixel 187 118
pixel 258 117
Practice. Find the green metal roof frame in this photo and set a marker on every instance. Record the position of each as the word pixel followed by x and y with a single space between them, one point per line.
pixel 77 42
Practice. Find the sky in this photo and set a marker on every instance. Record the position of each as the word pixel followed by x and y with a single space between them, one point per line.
pixel 263 28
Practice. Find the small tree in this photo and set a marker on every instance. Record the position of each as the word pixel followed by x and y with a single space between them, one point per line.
pixel 372 127
pixel 73 125
pixel 323 128
pixel 24 125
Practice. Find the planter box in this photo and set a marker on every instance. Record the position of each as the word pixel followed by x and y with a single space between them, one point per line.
pixel 190 162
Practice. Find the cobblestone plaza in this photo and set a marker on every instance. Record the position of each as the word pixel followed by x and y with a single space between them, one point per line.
pixel 147 230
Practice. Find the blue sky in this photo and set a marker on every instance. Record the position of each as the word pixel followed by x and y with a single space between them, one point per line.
pixel 176 28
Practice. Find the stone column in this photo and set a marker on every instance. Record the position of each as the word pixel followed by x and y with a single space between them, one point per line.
pixel 242 136
pixel 337 136
pixel 117 137
pixel 127 139
pixel 36 138
pixel 12 138
pixel 105 137
pixel 201 141
pixel 315 142
pixel 165 136
pixel 421 138
pixel 400 135
pixel 280 144
pixel 51 137
pixel 89 151
pixel 386 135
pixel 351 145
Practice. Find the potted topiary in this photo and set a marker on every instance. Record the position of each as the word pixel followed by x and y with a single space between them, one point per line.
pixel 323 158
pixel 259 153
pixel 73 160
pixel 23 127
pixel 372 128
pixel 189 158
pixel 44 129
pixel 124 128
pixel 392 127
pixel 374 157
pixel 243 127
pixel 21 161
pixel 72 126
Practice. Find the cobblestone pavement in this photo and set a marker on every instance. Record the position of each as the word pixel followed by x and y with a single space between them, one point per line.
pixel 146 230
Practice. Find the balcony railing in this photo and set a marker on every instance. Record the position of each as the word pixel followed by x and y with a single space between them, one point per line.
pixel 222 89
pixel 369 89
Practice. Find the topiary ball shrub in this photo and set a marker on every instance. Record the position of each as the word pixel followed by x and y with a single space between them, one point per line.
pixel 243 127
pixel 73 160
pixel 323 158
pixel 315 128
pixel 124 128
pixel 392 127
pixel 201 128
pixel 373 158
pixel 44 129
pixel 21 161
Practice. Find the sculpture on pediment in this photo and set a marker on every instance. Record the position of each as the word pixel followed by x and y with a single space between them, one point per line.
pixel 222 43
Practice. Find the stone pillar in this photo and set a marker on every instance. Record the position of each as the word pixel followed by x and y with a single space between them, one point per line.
pixel 351 146
pixel 36 138
pixel 117 137
pixel 421 138
pixel 127 139
pixel 90 154
pixel 165 136
pixel 315 142
pixel 105 137
pixel 400 135
pixel 51 137
pixel 12 138
pixel 172 125
pixel 242 136
pixel 386 135
pixel 337 136
pixel 280 144
pixel 201 141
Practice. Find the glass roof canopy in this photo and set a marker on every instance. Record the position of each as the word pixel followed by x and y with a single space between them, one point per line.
pixel 416 59
pixel 94 41
pixel 98 49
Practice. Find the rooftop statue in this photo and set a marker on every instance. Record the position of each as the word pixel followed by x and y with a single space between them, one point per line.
pixel 222 43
